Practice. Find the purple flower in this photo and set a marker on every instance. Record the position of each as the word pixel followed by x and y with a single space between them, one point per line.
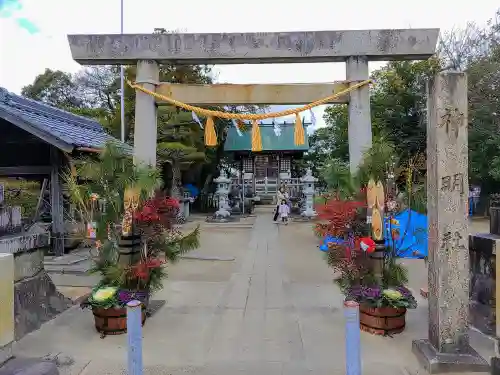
pixel 125 296
pixel 360 292
pixel 404 291
pixel 356 291
pixel 372 292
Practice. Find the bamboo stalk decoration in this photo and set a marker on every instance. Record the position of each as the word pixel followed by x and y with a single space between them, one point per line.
pixel 131 203
pixel 377 212
pixel 377 224
pixel 379 191
pixel 370 200
pixel 92 225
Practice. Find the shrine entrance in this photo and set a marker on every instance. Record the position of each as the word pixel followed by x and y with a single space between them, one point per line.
pixel 266 173
pixel 447 347
pixel 266 166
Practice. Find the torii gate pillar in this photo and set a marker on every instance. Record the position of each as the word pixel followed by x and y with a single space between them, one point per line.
pixel 360 125
pixel 145 133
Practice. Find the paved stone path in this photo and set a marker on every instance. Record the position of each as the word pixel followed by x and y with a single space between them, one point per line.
pixel 273 310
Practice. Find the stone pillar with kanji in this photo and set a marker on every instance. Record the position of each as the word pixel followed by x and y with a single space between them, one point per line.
pixel 447 349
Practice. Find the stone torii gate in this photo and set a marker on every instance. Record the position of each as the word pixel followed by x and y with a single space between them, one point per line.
pixel 355 47
pixel 447 347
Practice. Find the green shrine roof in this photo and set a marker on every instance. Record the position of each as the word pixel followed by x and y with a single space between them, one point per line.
pixel 270 141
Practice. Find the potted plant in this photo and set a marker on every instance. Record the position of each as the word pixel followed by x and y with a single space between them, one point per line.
pixel 369 271
pixel 382 311
pixel 378 285
pixel 383 302
pixel 131 231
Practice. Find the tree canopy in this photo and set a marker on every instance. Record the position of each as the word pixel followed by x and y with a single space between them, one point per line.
pixel 95 92
pixel 398 104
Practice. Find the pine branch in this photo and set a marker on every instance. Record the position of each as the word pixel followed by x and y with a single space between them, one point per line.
pixel 190 241
pixel 173 249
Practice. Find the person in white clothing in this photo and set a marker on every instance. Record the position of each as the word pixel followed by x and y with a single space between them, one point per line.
pixel 284 210
pixel 280 195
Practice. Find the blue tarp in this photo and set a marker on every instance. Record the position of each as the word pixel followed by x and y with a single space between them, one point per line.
pixel 329 239
pixel 193 190
pixel 412 242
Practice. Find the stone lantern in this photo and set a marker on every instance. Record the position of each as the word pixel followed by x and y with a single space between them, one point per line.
pixel 308 188
pixel 223 194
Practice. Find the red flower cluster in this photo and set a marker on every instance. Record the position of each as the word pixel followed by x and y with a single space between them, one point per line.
pixel 340 215
pixel 348 257
pixel 155 207
pixel 142 269
pixel 171 202
pixel 148 213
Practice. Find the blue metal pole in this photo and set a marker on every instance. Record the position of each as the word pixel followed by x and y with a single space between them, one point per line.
pixel 134 337
pixel 352 338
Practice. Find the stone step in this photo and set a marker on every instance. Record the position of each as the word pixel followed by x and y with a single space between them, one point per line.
pixel 77 262
pixel 80 268
pixel 75 293
pixel 68 259
pixel 74 280
pixel 65 260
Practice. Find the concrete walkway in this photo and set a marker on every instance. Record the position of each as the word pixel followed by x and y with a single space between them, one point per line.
pixel 273 310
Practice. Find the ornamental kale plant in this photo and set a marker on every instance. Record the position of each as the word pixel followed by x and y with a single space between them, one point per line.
pixel 375 296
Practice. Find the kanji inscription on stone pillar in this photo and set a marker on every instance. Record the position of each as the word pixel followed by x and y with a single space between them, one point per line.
pixel 447 348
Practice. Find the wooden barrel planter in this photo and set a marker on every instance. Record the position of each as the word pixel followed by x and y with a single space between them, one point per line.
pixel 113 321
pixel 382 320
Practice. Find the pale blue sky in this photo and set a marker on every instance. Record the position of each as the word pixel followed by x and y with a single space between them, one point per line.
pixel 33 37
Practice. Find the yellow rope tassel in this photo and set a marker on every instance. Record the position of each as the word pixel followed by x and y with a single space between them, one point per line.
pixel 298 133
pixel 210 135
pixel 256 137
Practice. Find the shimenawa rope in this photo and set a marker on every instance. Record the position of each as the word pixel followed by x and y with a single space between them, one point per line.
pixel 210 134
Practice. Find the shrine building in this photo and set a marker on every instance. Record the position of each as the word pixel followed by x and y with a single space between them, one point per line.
pixel 276 164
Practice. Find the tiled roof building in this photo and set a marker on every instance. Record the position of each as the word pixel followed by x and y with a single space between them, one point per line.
pixel 62 129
